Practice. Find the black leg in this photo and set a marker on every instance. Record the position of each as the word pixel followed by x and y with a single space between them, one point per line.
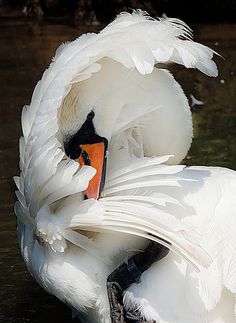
pixel 125 275
pixel 115 296
pixel 135 317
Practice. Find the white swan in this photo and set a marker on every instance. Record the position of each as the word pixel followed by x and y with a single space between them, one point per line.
pixel 107 83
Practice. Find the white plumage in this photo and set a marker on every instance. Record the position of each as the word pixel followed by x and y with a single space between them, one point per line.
pixel 70 246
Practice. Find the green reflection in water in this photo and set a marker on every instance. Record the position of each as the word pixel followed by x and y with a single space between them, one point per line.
pixel 214 142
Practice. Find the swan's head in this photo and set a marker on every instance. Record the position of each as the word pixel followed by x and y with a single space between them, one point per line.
pixel 89 148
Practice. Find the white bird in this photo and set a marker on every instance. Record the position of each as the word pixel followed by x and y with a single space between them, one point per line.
pixel 103 89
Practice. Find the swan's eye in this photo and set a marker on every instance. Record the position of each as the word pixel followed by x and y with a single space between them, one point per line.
pixel 72 149
pixel 84 158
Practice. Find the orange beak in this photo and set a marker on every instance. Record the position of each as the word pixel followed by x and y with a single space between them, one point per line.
pixel 94 155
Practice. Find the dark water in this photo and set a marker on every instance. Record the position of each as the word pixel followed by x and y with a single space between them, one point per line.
pixel 25 52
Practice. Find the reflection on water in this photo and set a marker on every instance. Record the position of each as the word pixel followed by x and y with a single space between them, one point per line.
pixel 25 52
pixel 215 140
